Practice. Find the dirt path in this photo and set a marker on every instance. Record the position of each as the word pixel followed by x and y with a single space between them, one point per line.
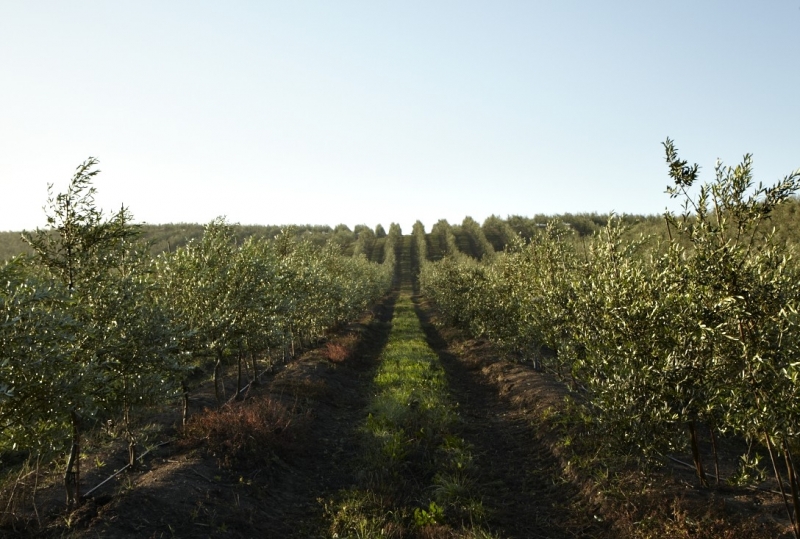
pixel 523 487
pixel 326 457
pixel 520 482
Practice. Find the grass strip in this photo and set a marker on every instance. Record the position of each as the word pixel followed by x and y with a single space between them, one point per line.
pixel 416 476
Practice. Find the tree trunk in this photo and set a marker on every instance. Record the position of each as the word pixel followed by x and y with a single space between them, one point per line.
pixel 72 474
pixel 185 390
pixel 698 462
pixel 714 451
pixel 255 369
pixel 239 375
pixel 217 367
pixel 126 418
pixel 795 487
pixel 35 489
pixel 780 484
pixel 131 438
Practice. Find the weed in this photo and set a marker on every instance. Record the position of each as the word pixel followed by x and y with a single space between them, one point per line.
pixel 394 446
pixel 362 515
pixel 434 514
pixel 339 350
pixel 749 472
pixel 449 489
pixel 243 431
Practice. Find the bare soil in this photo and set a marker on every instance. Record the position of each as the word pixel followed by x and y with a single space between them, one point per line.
pixel 523 485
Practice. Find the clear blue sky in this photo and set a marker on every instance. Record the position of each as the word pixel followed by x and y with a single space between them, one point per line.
pixel 373 112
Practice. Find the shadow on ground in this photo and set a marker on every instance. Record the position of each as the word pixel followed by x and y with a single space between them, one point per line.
pixel 520 480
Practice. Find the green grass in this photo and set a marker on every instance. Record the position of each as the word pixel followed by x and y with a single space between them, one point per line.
pixel 416 474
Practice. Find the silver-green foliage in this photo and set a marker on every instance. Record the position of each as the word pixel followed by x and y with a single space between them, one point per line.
pixel 661 336
pixel 82 337
pixel 92 328
pixel 484 248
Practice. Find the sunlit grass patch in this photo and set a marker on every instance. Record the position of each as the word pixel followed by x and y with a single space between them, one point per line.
pixel 362 515
pixel 415 477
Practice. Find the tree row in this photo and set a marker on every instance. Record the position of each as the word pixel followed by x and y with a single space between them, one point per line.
pixel 93 328
pixel 662 335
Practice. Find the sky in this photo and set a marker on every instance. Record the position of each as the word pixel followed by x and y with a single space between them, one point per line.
pixel 362 112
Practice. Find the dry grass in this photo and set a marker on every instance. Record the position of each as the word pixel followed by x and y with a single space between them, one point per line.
pixel 659 517
pixel 248 432
pixel 17 497
pixel 341 349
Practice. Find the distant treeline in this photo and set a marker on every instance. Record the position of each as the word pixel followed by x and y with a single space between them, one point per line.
pixel 785 219
pixel 363 239
pixel 168 237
